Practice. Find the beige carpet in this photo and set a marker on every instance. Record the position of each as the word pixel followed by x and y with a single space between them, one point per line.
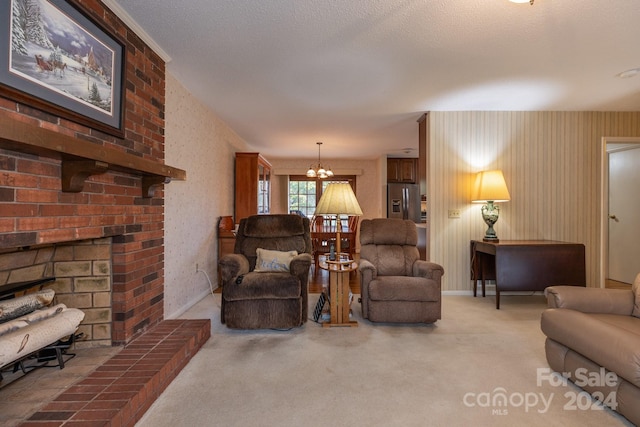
pixel 445 374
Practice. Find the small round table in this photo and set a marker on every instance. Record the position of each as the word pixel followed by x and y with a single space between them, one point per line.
pixel 339 271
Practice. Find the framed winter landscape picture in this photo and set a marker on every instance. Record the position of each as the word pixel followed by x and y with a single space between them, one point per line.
pixel 56 59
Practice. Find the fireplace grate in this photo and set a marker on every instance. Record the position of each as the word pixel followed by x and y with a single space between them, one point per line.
pixel 40 359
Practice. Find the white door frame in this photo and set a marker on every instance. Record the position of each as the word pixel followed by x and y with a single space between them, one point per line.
pixel 604 201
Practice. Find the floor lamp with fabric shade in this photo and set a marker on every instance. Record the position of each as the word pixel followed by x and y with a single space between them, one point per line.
pixel 338 199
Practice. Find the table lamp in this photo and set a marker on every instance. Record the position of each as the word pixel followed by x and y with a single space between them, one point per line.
pixel 338 199
pixel 490 188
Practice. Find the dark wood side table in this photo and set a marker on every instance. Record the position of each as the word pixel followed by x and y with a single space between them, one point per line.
pixel 526 265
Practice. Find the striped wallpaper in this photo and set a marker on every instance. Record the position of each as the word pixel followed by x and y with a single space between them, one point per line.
pixel 551 163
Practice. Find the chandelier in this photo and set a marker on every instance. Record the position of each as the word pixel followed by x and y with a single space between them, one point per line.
pixel 319 172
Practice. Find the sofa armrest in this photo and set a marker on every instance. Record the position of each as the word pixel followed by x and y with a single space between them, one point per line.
pixel 232 266
pixel 428 270
pixel 591 300
pixel 610 345
pixel 300 264
pixel 368 271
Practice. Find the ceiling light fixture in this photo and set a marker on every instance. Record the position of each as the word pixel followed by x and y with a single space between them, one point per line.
pixel 522 1
pixel 319 172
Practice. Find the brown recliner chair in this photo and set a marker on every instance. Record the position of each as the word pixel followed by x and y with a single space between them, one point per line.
pixel 395 285
pixel 268 299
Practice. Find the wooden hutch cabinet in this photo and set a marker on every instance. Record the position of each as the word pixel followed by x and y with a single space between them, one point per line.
pixel 402 170
pixel 253 185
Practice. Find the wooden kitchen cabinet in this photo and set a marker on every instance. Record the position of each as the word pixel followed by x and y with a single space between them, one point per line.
pixel 402 170
pixel 253 185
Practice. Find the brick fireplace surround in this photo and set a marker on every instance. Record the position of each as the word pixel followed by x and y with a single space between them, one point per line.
pixel 111 210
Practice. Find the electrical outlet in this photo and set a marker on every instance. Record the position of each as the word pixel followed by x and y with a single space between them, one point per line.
pixel 454 213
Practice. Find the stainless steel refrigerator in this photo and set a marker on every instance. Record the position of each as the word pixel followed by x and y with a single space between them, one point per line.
pixel 403 201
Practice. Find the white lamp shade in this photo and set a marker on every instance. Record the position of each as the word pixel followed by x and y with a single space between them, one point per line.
pixel 338 199
pixel 490 186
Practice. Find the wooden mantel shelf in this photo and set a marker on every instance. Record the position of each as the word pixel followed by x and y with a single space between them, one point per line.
pixel 81 158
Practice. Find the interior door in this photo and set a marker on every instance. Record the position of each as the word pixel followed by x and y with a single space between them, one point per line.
pixel 624 220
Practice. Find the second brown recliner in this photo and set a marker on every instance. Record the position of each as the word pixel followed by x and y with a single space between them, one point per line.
pixel 395 285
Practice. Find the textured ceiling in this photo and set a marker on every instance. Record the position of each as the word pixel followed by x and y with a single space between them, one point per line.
pixel 357 74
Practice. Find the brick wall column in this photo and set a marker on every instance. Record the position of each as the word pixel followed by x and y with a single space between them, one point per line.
pixel 138 276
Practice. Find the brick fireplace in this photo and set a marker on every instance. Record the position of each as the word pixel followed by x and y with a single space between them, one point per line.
pixel 112 207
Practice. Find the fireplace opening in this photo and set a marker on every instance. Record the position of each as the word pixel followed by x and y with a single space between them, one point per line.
pixel 80 273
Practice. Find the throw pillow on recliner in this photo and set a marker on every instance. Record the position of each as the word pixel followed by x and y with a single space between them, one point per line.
pixel 269 260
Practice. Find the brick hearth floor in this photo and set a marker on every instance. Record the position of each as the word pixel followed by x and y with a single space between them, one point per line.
pixel 111 386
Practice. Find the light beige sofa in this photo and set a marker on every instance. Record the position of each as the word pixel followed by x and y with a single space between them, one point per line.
pixel 589 329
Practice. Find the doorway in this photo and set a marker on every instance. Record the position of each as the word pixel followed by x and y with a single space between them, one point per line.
pixel 620 224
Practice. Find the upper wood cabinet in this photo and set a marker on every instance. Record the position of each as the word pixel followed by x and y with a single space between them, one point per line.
pixel 253 185
pixel 402 170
